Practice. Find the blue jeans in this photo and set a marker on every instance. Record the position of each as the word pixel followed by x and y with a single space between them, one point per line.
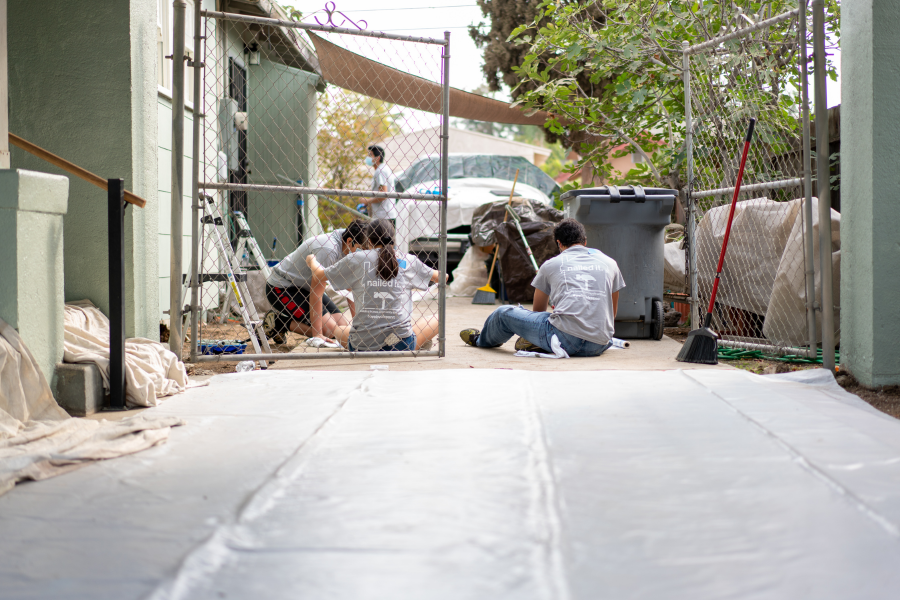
pixel 535 327
pixel 404 345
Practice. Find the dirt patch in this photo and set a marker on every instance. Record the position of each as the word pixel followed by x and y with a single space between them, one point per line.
pixel 886 398
pixel 232 332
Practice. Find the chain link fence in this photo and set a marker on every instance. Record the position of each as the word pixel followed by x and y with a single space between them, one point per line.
pixel 283 172
pixel 766 294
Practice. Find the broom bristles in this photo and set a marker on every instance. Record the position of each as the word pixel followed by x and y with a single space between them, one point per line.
pixel 700 347
pixel 484 295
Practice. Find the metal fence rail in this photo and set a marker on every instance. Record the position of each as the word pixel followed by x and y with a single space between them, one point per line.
pixel 767 295
pixel 279 161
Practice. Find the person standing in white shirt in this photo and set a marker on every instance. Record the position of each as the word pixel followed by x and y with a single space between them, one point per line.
pixel 395 211
pixel 383 181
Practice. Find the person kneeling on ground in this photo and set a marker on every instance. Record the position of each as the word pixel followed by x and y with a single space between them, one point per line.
pixel 582 284
pixel 382 284
pixel 298 304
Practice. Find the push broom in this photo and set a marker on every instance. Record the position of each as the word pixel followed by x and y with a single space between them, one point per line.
pixel 487 294
pixel 701 345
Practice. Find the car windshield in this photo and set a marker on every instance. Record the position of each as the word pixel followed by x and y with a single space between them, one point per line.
pixel 478 166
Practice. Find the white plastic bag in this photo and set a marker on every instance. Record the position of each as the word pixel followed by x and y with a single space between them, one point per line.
pixel 471 273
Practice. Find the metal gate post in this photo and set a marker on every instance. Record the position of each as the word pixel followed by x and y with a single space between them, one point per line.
pixel 198 64
pixel 116 232
pixel 823 185
pixel 445 174
pixel 807 187
pixel 177 201
pixel 691 206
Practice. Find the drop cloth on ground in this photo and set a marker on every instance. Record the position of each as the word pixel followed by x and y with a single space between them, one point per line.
pixel 38 440
pixel 479 484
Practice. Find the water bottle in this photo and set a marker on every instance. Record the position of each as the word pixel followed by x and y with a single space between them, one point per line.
pixel 244 366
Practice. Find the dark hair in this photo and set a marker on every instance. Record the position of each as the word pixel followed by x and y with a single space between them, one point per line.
pixel 569 232
pixel 355 232
pixel 377 151
pixel 380 232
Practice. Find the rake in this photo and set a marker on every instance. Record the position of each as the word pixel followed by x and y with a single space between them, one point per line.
pixel 487 294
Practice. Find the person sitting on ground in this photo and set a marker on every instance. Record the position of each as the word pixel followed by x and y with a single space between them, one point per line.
pixel 297 304
pixel 382 284
pixel 582 284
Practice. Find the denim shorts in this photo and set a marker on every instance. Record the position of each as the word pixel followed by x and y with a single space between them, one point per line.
pixel 407 344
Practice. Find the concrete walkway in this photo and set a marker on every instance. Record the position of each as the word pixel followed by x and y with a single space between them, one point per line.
pixel 462 314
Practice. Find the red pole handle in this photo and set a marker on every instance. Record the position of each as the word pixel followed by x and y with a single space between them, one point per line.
pixel 737 190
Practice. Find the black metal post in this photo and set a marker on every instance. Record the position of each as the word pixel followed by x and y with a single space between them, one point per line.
pixel 116 221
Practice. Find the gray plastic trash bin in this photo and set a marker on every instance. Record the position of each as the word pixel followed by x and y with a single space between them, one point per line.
pixel 628 224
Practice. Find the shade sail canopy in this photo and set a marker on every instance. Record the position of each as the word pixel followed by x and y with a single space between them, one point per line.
pixel 356 73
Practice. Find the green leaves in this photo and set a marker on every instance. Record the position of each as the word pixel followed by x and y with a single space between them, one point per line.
pixel 617 84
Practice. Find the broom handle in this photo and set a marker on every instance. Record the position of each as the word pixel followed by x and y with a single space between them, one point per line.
pixel 505 216
pixel 737 190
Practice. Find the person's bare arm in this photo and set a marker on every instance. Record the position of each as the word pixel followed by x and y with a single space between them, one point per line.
pixel 540 301
pixel 436 276
pixel 615 303
pixel 368 201
pixel 317 289
pixel 352 307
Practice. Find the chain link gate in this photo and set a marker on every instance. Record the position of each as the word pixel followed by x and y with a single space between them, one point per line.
pixel 767 296
pixel 281 161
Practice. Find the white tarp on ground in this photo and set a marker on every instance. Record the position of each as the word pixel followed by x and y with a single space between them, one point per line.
pixel 765 268
pixel 151 370
pixel 39 440
pixel 479 484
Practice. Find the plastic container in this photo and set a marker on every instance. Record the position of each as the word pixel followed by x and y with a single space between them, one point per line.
pixel 222 347
pixel 628 224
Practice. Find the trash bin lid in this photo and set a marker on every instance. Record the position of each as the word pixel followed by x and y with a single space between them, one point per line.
pixel 614 193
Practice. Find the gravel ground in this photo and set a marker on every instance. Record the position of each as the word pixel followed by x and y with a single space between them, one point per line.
pixel 886 398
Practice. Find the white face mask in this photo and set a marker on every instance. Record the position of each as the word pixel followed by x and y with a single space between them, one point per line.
pixel 368 161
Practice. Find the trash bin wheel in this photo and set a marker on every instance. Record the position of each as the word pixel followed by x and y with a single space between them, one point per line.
pixel 657 324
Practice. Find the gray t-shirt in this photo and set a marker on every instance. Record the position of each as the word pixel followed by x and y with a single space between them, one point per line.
pixel 580 283
pixel 382 307
pixel 293 270
pixel 387 209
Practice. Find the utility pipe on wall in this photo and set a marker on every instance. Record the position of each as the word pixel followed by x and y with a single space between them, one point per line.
pixel 823 185
pixel 177 216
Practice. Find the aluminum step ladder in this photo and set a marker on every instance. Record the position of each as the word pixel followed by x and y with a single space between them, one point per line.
pixel 247 243
pixel 213 230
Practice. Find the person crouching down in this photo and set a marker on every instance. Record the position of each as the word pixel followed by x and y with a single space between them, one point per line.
pixel 298 304
pixel 382 284
pixel 582 284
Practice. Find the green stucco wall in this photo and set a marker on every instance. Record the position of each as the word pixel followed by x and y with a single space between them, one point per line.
pixel 82 81
pixel 281 102
pixel 870 186
pixel 32 206
pixel 164 194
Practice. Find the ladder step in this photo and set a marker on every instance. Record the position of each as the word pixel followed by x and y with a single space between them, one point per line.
pixel 216 277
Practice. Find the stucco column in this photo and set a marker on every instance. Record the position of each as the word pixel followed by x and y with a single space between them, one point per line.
pixel 82 84
pixel 870 190
pixel 32 206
